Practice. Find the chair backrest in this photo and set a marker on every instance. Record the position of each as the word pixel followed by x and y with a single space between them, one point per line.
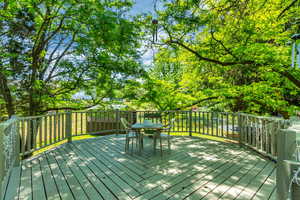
pixel 125 123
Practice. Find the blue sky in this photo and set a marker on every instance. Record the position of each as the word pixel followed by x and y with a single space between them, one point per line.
pixel 142 6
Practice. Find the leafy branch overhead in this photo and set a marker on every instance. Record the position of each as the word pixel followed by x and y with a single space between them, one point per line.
pixel 54 49
pixel 224 55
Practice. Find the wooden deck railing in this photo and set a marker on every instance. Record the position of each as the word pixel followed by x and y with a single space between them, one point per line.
pixel 256 132
pixel 260 133
pixel 9 150
pixel 20 137
pixel 288 163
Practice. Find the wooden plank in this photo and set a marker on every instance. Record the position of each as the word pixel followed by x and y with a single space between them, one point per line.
pixel 109 190
pixel 267 188
pixel 119 146
pixel 160 162
pixel 49 182
pixel 118 179
pixel 119 172
pixel 62 184
pixel 234 191
pixel 75 178
pixel 250 190
pixel 218 191
pixel 75 181
pixel 25 185
pixel 119 167
pixel 208 184
pixel 273 195
pixel 38 189
pixel 12 190
pixel 195 169
pixel 116 156
pixel 166 181
pixel 186 160
pixel 205 172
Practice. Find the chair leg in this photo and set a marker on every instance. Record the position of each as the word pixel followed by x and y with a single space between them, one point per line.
pixel 136 143
pixel 160 146
pixel 142 142
pixel 154 144
pixel 126 144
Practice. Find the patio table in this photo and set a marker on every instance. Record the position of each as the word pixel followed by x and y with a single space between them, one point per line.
pixel 146 125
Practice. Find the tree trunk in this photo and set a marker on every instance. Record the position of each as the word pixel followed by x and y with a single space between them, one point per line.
pixel 5 92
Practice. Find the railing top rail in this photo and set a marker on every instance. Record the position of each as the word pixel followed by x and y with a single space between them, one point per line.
pixel 264 117
pixel 40 116
pixel 167 111
pixel 8 122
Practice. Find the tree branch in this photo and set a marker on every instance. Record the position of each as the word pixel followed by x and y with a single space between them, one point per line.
pixel 197 102
pixel 200 57
pixel 289 76
pixel 287 8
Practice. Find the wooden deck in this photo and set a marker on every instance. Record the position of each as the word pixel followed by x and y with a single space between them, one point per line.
pixel 98 168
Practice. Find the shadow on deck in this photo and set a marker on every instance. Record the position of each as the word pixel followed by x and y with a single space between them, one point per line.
pixel 99 168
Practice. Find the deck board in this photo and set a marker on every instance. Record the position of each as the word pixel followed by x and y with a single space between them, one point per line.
pixel 98 168
pixel 73 177
pixel 111 174
pixel 12 192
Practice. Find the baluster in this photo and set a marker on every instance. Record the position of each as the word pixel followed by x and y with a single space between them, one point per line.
pixel 40 132
pixel 55 127
pixel 45 131
pixel 222 124
pixel 81 123
pixel 23 138
pixel 76 123
pixel 59 126
pixel 29 135
pixel 50 129
pixel 34 132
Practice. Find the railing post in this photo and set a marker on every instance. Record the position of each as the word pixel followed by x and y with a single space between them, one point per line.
pixel 240 129
pixel 2 160
pixel 190 122
pixel 17 143
pixel 286 165
pixel 118 119
pixel 69 126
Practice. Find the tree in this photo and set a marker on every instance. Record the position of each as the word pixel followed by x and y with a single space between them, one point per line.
pixel 235 51
pixel 53 49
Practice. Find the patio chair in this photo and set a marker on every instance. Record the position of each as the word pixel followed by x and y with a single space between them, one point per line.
pixel 161 136
pixel 130 134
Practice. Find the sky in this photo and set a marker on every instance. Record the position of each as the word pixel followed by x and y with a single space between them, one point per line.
pixel 143 6
pixel 140 7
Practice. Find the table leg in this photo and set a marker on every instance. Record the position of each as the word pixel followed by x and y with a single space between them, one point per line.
pixel 140 141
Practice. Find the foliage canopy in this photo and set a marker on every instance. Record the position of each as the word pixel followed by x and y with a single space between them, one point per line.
pixel 228 55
